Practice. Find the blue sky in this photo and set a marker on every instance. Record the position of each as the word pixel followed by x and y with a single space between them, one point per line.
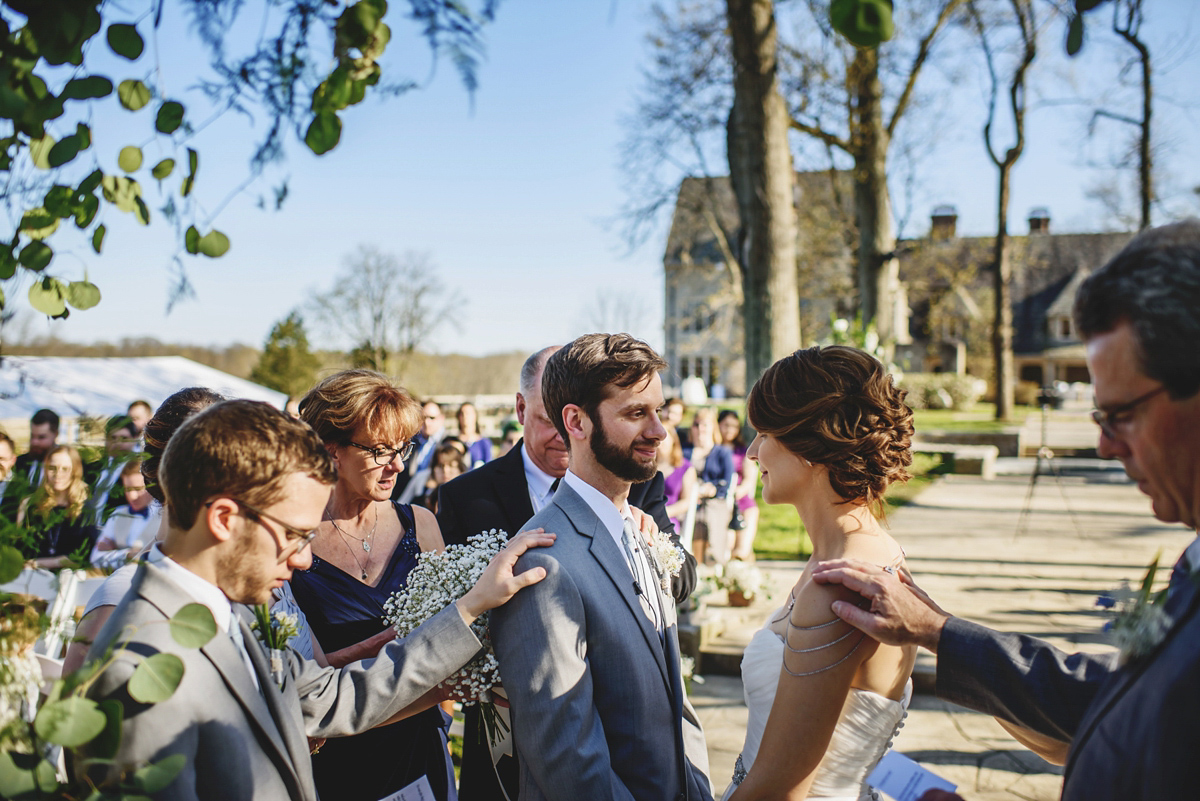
pixel 510 192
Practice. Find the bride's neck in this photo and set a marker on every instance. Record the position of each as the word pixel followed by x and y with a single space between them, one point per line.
pixel 829 528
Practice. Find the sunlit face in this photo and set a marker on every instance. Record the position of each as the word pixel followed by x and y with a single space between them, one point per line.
pixel 468 419
pixel 1157 441
pixel 59 472
pixel 357 472
pixel 446 471
pixel 123 440
pixel 625 437
pixel 785 476
pixel 673 415
pixel 433 420
pixel 729 427
pixel 8 458
pixel 260 557
pixel 41 439
pixel 140 415
pixel 702 431
pixel 542 440
pixel 135 491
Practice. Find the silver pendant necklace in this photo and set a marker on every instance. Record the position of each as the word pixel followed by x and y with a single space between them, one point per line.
pixel 365 541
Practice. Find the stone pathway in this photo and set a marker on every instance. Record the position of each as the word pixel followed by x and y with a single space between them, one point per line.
pixel 1083 535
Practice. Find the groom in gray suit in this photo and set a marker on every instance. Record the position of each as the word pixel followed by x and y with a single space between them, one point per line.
pixel 590 656
pixel 1133 726
pixel 246 485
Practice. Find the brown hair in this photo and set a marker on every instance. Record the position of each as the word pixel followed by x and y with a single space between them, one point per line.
pixel 42 500
pixel 241 449
pixel 838 407
pixel 344 401
pixel 676 446
pixel 165 422
pixel 133 466
pixel 582 372
pixel 451 453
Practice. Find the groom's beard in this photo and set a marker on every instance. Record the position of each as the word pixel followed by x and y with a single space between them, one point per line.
pixel 623 464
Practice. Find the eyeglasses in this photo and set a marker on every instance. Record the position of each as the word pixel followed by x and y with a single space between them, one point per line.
pixel 1115 416
pixel 384 455
pixel 290 533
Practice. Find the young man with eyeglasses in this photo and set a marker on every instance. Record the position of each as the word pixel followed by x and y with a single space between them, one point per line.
pixel 1132 725
pixel 246 486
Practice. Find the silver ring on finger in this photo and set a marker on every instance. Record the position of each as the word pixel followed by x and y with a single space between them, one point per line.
pixel 890 569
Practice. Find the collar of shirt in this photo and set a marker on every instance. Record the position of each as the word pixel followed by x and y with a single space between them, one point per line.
pixel 612 518
pixel 537 480
pixel 200 589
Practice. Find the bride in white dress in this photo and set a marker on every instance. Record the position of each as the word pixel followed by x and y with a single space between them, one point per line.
pixel 825 701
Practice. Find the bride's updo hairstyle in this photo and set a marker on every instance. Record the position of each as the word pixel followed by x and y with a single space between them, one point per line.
pixel 837 406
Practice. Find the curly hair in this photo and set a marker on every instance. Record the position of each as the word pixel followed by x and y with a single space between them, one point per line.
pixel 159 429
pixel 837 406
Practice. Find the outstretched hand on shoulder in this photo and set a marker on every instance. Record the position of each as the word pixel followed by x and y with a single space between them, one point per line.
pixel 901 613
pixel 498 584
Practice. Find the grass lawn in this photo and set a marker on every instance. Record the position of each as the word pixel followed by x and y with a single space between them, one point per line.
pixel 782 536
pixel 978 418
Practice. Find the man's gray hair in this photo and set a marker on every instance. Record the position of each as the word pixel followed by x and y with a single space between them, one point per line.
pixel 531 371
pixel 1154 284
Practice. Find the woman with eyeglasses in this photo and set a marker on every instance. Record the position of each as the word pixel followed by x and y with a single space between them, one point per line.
pixel 363 552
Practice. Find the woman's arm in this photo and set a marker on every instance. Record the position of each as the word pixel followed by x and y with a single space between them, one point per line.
pixel 429 535
pixel 367 649
pixel 85 633
pixel 679 509
pixel 1048 748
pixel 819 665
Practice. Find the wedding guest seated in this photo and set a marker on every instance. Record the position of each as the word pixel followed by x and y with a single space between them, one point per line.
pixel 104 473
pixel 479 447
pixel 139 413
pixel 158 430
pixel 449 462
pixel 43 435
pixel 53 514
pixel 131 526
pixel 679 477
pixel 364 549
pixel 8 460
pixel 714 469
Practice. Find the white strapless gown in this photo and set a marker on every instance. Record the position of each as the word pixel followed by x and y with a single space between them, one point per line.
pixel 863 733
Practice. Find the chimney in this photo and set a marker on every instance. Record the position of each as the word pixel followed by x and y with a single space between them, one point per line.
pixel 1039 220
pixel 943 222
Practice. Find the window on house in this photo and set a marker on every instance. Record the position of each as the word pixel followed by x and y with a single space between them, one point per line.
pixel 1064 327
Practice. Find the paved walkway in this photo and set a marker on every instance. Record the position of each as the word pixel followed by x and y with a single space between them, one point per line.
pixel 1086 533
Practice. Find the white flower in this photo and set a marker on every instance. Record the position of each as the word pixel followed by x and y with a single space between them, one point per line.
pixel 841 325
pixel 668 557
pixel 738 576
pixel 20 677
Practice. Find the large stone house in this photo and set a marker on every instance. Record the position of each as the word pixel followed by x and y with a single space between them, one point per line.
pixel 945 303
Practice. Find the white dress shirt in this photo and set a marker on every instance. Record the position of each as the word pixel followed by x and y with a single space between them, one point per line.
pixel 539 482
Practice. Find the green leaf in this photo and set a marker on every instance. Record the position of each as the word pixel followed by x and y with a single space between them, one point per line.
pixel 89 184
pixel 108 741
pixel 46 296
pixel 130 159
pixel 25 774
pixel 323 133
pixel 89 88
pixel 60 201
pixel 140 210
pixel 121 191
pixel 133 94
pixel 39 151
pixel 63 151
pixel 170 117
pixel 125 41
pixel 11 563
pixel 38 223
pixel 71 722
pixel 8 266
pixel 193 166
pixel 1075 34
pixel 83 295
pixel 1086 5
pixel 156 678
pixel 191 240
pixel 85 212
pixel 865 23
pixel 36 256
pixel 163 169
pixel 193 625
pixel 98 237
pixel 156 777
pixel 214 244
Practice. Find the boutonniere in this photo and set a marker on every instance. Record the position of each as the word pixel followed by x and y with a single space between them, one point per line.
pixel 667 558
pixel 273 630
pixel 1139 621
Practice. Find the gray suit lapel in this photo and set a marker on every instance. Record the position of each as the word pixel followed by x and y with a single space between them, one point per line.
pixel 224 656
pixel 604 550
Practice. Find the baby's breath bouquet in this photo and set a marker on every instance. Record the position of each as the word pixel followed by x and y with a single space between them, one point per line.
pixel 438 580
pixel 668 560
pixel 1139 620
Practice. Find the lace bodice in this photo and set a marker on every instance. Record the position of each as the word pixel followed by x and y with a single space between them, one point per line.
pixel 863 733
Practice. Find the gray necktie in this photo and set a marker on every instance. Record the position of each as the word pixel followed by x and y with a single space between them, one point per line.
pixel 644 583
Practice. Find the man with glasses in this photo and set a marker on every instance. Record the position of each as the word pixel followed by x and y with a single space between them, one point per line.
pixel 1133 727
pixel 245 489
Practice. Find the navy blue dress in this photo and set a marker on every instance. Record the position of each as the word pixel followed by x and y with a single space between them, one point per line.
pixel 343 611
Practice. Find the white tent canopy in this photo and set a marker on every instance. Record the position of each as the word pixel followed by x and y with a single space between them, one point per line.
pixel 78 386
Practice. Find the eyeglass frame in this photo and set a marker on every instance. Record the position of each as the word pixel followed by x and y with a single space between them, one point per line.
pixel 290 532
pixel 404 452
pixel 1104 417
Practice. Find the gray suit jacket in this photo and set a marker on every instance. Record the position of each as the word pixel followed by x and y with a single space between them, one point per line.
pixel 241 743
pixel 598 708
pixel 1134 730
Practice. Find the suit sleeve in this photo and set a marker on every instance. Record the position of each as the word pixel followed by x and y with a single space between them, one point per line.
pixel 1018 678
pixel 364 694
pixel 651 497
pixel 540 638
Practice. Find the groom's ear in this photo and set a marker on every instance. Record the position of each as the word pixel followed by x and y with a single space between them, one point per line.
pixel 577 423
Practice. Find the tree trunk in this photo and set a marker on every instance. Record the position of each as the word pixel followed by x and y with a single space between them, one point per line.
pixel 760 168
pixel 1002 329
pixel 878 269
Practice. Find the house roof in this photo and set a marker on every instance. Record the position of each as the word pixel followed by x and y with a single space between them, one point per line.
pixel 76 386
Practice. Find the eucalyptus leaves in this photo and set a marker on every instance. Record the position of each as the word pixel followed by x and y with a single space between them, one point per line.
pixel 71 720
